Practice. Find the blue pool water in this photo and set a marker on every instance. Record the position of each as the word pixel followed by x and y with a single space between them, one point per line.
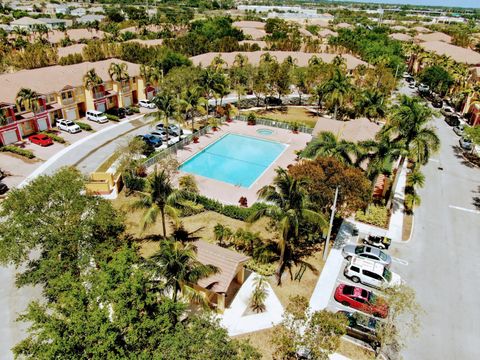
pixel 234 159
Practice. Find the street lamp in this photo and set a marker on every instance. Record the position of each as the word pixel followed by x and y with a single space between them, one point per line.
pixel 334 208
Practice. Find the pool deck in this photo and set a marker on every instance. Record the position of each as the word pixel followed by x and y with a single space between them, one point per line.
pixel 228 193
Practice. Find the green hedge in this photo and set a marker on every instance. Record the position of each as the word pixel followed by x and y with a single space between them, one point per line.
pixel 375 215
pixel 135 109
pixel 113 117
pixel 19 151
pixel 84 126
pixel 232 211
pixel 54 137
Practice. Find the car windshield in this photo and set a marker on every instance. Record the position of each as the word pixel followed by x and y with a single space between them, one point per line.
pixel 383 256
pixel 359 249
pixel 387 274
pixel 69 123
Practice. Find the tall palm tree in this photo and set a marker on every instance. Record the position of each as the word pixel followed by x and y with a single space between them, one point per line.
pixel 192 101
pixel 336 89
pixel 328 144
pixel 118 72
pixel 91 79
pixel 288 206
pixel 159 198
pixel 177 265
pixel 166 103
pixel 409 124
pixel 371 103
pixel 28 99
pixel 380 153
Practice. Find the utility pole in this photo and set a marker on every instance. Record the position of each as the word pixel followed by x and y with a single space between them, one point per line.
pixel 334 208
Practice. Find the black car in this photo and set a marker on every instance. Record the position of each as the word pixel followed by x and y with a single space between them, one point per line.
pixel 362 327
pixel 3 188
pixel 118 112
pixel 452 120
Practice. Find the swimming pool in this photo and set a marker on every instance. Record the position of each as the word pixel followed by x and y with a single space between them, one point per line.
pixel 234 159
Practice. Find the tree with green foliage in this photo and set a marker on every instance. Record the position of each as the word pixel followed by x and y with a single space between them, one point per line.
pixel 327 144
pixel 27 99
pixel 473 133
pixel 69 229
pixel 437 78
pixel 315 335
pixel 177 266
pixel 160 197
pixel 335 90
pixel 408 124
pixel 289 206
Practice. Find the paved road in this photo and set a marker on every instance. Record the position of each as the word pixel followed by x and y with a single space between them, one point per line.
pixel 443 257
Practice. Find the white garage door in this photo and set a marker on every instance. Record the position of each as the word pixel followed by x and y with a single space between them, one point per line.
pixel 101 107
pixel 127 101
pixel 71 114
pixel 42 124
pixel 10 137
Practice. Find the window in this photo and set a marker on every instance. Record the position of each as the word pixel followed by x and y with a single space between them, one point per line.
pixel 387 274
pixel 359 249
pixel 360 300
pixel 372 275
pixel 383 256
pixel 354 268
pixel 368 256
pixel 348 290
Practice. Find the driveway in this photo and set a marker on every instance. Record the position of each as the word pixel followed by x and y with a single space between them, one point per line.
pixel 443 256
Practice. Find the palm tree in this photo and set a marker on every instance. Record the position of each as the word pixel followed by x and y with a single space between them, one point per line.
pixel 408 124
pixel 288 206
pixel 177 265
pixel 191 102
pixel 336 89
pixel 159 198
pixel 27 99
pixel 118 72
pixel 166 104
pixel 415 178
pixel 222 233
pixel 372 104
pixel 91 79
pixel 327 144
pixel 380 153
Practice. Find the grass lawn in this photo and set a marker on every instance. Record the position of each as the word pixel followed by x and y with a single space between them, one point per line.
pixel 205 221
pixel 407 227
pixel 261 341
pixel 290 114
pixel 305 286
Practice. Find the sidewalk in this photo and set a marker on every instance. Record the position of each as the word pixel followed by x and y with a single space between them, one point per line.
pixel 395 228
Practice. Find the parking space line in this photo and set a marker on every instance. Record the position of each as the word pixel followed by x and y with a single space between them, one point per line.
pixel 435 160
pixel 464 209
pixel 400 261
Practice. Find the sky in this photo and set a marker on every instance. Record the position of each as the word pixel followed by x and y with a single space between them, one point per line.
pixel 451 3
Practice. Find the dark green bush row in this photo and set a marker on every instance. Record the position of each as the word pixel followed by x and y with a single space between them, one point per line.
pixel 19 151
pixel 135 109
pixel 54 137
pixel 113 117
pixel 232 211
pixel 84 126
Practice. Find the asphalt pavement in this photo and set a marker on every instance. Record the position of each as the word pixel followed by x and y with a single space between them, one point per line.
pixel 443 266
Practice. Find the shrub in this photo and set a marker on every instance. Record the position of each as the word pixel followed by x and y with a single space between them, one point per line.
pixel 84 126
pixel 260 268
pixel 133 183
pixel 113 117
pixel 19 151
pixel 135 109
pixel 54 137
pixel 232 211
pixel 376 215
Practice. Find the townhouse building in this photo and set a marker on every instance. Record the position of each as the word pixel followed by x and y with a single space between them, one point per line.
pixel 62 94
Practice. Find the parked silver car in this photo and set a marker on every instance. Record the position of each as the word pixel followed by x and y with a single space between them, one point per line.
pixel 366 252
pixel 465 144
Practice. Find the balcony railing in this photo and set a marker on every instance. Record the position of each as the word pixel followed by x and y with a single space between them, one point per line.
pixel 40 109
pixel 99 95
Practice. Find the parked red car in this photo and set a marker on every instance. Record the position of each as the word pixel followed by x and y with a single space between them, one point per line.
pixel 361 299
pixel 41 139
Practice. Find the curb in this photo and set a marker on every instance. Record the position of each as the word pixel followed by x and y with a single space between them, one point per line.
pixel 411 231
pixel 71 147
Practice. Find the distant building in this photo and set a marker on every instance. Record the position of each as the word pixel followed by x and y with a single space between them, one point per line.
pixel 29 24
pixel 90 18
pixel 78 12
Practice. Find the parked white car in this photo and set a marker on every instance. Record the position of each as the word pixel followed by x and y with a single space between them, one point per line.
pixel 96 116
pixel 146 104
pixel 68 126
pixel 371 273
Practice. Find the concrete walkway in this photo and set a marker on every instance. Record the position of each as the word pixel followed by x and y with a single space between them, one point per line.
pixel 395 228
pixel 235 320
